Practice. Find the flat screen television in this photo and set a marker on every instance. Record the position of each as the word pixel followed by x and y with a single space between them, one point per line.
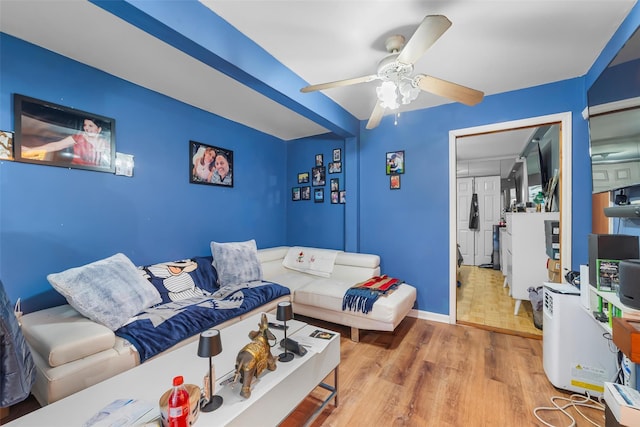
pixel 614 121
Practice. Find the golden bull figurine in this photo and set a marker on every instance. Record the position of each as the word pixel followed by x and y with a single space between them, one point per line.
pixel 254 357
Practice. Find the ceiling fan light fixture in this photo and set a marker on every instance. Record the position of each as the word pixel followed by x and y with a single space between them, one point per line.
pixel 388 95
pixel 408 91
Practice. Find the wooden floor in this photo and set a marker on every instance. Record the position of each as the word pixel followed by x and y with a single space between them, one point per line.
pixel 433 374
pixel 482 301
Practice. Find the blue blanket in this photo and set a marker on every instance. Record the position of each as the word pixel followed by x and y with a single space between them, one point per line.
pixel 162 326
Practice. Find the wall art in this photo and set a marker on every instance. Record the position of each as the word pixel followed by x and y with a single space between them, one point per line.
pixel 395 162
pixel 318 195
pixel 6 145
pixel 55 135
pixel 318 176
pixel 210 165
pixel 303 177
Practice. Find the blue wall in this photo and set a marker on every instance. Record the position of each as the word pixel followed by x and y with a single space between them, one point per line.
pixel 409 227
pixel 309 223
pixel 53 218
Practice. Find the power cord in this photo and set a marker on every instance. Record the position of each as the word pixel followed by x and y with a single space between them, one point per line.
pixel 575 401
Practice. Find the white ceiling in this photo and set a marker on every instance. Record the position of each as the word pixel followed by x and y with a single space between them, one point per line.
pixel 492 46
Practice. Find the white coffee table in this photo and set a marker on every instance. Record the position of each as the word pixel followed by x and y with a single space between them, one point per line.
pixel 273 395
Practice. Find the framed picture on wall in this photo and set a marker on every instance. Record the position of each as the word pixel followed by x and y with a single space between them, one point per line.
pixel 335 184
pixel 210 165
pixel 337 155
pixel 319 160
pixel 395 162
pixel 394 182
pixel 335 198
pixel 303 177
pixel 318 176
pixel 295 194
pixel 6 145
pixel 55 135
pixel 343 196
pixel 305 193
pixel 335 167
pixel 318 195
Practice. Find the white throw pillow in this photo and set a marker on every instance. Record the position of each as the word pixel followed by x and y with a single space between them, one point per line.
pixel 108 291
pixel 236 262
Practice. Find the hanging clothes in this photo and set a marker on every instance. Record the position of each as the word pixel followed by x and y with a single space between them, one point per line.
pixel 474 215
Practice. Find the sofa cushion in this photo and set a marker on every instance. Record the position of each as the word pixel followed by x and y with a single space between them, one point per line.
pixel 236 262
pixel 178 280
pixel 61 335
pixel 107 291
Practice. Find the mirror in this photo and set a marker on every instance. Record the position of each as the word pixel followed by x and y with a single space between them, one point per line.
pixel 614 121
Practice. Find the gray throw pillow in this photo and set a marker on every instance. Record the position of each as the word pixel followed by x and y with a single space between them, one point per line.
pixel 236 262
pixel 108 291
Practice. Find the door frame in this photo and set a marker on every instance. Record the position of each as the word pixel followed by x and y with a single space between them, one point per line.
pixel 565 188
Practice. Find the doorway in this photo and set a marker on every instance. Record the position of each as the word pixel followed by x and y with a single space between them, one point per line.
pixel 564 121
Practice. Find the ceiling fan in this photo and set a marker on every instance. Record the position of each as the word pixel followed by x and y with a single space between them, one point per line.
pixel 398 86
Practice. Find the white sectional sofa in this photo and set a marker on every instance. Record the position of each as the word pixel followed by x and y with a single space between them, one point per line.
pixel 321 297
pixel 72 352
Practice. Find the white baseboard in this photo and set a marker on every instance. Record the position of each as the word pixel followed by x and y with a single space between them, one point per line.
pixel 427 315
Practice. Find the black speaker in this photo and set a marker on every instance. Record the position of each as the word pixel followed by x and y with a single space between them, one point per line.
pixel 629 291
pixel 610 246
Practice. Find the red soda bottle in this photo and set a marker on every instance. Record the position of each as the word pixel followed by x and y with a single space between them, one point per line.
pixel 178 411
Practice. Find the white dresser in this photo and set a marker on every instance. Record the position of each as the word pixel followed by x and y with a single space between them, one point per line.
pixel 525 252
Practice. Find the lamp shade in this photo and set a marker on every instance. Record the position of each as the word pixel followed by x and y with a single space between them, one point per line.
pixel 210 344
pixel 285 311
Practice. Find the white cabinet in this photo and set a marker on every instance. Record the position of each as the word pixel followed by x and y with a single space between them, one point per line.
pixel 526 255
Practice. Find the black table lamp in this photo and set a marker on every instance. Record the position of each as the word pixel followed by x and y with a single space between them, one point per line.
pixel 210 345
pixel 284 313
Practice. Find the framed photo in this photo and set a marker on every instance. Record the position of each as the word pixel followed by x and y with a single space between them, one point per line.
pixel 335 197
pixel 335 184
pixel 318 195
pixel 303 177
pixel 395 162
pixel 295 194
pixel 6 145
pixel 343 196
pixel 319 160
pixel 319 176
pixel 394 182
pixel 337 155
pixel 305 193
pixel 335 167
pixel 210 165
pixel 55 135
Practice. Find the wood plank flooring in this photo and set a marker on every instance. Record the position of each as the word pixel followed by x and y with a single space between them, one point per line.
pixel 434 374
pixel 431 374
pixel 482 301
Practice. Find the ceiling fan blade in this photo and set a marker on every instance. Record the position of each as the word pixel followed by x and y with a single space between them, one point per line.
pixel 429 30
pixel 346 82
pixel 449 90
pixel 376 116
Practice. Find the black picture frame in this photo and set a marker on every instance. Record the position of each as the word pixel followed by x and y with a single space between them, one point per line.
pixel 54 135
pixel 318 195
pixel 394 182
pixel 395 162
pixel 335 184
pixel 203 168
pixel 6 145
pixel 305 193
pixel 337 155
pixel 303 177
pixel 319 160
pixel 335 167
pixel 335 197
pixel 318 175
pixel 295 194
pixel 343 197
